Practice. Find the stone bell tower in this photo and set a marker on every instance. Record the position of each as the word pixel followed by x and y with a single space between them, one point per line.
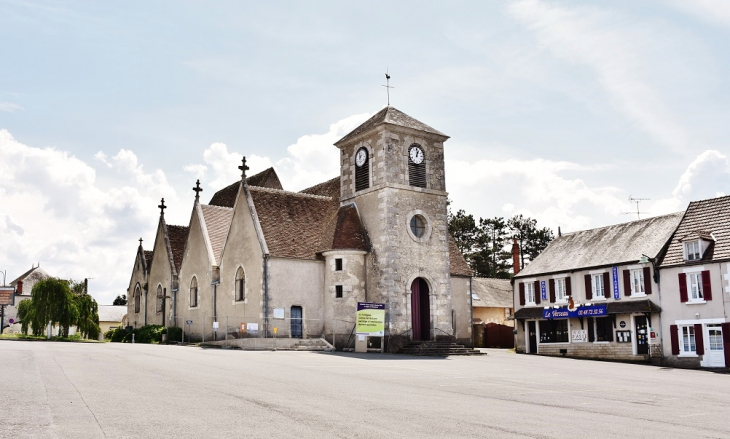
pixel 392 169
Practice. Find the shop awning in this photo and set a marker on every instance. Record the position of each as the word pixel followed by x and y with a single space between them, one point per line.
pixel 617 307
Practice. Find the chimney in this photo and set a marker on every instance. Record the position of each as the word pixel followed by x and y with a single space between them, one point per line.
pixel 19 287
pixel 515 256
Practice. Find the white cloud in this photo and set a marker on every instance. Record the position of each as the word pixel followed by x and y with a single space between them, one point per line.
pixel 535 188
pixel 311 160
pixel 622 54
pixel 56 211
pixel 314 158
pixel 9 107
pixel 707 176
pixel 224 166
pixel 712 11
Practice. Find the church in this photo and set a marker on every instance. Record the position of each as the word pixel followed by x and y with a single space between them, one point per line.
pixel 260 261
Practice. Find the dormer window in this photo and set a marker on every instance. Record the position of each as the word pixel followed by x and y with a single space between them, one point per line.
pixel 692 251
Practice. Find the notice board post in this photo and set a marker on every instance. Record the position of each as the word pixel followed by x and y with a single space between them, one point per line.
pixel 369 327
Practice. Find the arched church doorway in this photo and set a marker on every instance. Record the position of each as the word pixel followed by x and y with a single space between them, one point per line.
pixel 420 310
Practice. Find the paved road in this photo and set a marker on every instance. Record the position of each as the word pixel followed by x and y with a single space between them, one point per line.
pixel 79 390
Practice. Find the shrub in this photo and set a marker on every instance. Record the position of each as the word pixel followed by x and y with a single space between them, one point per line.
pixel 115 335
pixel 146 334
pixel 174 334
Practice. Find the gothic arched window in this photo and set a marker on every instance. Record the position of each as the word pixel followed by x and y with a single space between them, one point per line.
pixel 137 298
pixel 416 166
pixel 362 169
pixel 240 285
pixel 194 292
pixel 160 299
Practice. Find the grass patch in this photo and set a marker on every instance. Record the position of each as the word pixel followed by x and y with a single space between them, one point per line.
pixel 72 338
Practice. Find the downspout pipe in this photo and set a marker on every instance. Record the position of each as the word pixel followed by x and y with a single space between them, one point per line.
pixel 215 308
pixel 145 307
pixel 266 294
pixel 471 312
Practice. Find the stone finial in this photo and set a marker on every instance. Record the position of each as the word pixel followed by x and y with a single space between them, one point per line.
pixel 162 207
pixel 197 190
pixel 243 168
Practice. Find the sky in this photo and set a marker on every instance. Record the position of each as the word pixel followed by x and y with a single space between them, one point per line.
pixel 558 110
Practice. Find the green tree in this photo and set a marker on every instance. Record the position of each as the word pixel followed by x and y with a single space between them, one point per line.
pixel 120 300
pixel 532 240
pixel 88 320
pixel 59 302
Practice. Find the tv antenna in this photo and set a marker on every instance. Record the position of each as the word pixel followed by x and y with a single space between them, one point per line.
pixel 638 211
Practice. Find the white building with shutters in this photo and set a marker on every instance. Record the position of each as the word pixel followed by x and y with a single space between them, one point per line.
pixel 695 283
pixel 595 293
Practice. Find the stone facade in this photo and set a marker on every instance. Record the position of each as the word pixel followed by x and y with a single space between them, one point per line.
pixel 288 245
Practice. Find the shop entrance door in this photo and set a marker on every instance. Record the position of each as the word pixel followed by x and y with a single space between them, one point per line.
pixel 642 336
pixel 532 336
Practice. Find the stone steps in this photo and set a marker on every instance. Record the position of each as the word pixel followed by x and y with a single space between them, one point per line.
pixel 438 349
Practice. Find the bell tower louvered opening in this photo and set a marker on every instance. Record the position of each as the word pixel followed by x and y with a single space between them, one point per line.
pixel 416 166
pixel 362 170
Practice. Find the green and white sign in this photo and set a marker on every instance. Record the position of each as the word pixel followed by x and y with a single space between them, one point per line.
pixel 370 319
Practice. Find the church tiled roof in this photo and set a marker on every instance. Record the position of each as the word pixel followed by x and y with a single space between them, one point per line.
pixel 392 116
pixel 458 264
pixel 330 188
pixel 148 254
pixel 226 197
pixel 178 235
pixel 705 219
pixel 293 223
pixel 217 221
pixel 346 231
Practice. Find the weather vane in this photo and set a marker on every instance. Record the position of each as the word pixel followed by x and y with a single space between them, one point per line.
pixel 387 85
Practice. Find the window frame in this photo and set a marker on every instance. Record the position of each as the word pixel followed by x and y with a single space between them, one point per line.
pixel 564 337
pixel 137 299
pixel 339 264
pixel 692 293
pixel 160 299
pixel 529 290
pixel 239 285
pixel 642 284
pixel 689 253
pixel 339 291
pixel 606 325
pixel 561 292
pixel 687 331
pixel 193 296
pixel 595 278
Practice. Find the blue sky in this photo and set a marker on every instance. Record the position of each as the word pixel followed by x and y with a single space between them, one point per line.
pixel 557 110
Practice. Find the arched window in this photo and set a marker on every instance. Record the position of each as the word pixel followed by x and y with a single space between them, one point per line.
pixel 416 166
pixel 362 169
pixel 137 298
pixel 194 292
pixel 240 285
pixel 160 299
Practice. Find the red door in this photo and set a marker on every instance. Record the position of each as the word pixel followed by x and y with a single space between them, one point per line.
pixel 420 310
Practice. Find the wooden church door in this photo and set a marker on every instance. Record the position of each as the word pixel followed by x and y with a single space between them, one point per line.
pixel 420 310
pixel 296 322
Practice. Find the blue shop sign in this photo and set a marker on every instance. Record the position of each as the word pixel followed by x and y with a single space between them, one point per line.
pixel 583 311
pixel 543 290
pixel 616 293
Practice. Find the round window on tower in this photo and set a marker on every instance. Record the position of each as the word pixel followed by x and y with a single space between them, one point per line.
pixel 419 226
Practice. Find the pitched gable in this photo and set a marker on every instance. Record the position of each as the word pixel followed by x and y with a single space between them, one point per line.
pixel 616 244
pixel 217 222
pixel 390 115
pixel 226 197
pixel 177 236
pixel 705 219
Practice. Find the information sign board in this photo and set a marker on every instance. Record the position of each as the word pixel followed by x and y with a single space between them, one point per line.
pixel 579 335
pixel 583 311
pixel 616 292
pixel 370 319
pixel 543 290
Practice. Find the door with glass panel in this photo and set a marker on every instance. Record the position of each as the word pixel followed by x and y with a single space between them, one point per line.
pixel 715 351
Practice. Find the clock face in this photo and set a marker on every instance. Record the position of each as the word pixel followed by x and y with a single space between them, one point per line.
pixel 416 154
pixel 361 156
